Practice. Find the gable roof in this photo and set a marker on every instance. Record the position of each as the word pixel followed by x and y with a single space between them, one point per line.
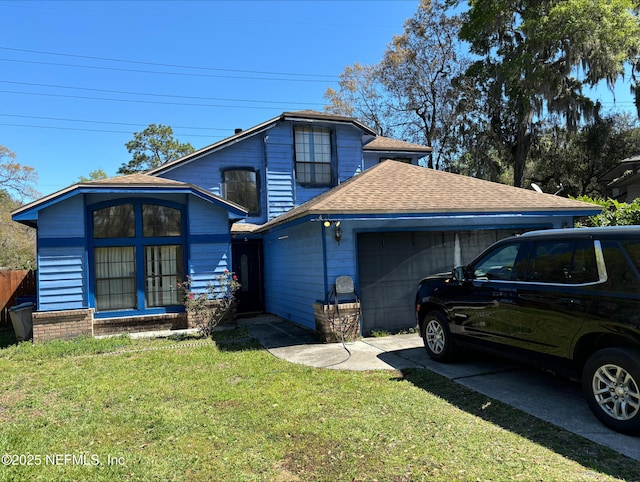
pixel 397 188
pixel 618 171
pixel 138 182
pixel 384 144
pixel 309 115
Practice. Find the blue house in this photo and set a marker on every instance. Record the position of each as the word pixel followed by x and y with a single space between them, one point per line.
pixel 288 205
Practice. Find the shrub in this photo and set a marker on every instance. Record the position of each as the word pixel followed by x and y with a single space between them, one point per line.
pixel 209 307
pixel 614 213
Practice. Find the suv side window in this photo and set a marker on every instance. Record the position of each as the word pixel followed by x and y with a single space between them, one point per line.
pixel 584 268
pixel 622 261
pixel 498 265
pixel 563 261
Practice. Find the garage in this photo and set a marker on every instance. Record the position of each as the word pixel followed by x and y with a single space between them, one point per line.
pixel 390 264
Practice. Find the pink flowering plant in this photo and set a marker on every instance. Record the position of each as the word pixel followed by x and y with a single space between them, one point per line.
pixel 209 307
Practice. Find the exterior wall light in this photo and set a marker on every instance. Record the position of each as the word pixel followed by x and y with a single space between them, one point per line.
pixel 337 232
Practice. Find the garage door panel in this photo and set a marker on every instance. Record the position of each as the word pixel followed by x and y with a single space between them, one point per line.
pixel 390 265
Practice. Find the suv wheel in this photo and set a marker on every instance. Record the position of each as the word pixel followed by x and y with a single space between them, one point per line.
pixel 611 382
pixel 437 337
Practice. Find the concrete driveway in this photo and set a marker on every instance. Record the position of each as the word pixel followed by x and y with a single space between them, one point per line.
pixel 550 398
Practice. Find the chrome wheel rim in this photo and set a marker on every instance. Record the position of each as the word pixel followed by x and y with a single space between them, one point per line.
pixel 616 392
pixel 434 334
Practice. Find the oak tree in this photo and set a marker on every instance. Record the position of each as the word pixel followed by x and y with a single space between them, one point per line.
pixel 539 57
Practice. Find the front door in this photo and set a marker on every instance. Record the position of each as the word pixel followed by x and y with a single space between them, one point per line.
pixel 247 265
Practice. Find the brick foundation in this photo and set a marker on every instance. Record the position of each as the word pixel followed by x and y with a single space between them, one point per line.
pixel 56 325
pixel 135 324
pixel 67 324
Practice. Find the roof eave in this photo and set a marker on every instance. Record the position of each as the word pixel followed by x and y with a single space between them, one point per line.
pixel 319 117
pixel 425 150
pixel 30 211
pixel 194 156
pixel 416 214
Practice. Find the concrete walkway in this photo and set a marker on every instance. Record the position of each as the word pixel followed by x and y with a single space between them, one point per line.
pixel 550 398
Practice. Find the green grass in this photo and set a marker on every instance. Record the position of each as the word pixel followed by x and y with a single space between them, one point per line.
pixel 192 409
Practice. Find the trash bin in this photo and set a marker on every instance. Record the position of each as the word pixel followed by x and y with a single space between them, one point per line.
pixel 21 318
pixel 25 299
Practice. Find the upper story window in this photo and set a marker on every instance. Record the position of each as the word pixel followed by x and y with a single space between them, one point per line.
pixel 313 155
pixel 241 187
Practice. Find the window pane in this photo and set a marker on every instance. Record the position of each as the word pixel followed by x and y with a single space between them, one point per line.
pixel 240 186
pixel 115 278
pixel 161 221
pixel 584 268
pixel 313 155
pixel 114 222
pixel 163 270
pixel 498 265
pixel 551 262
pixel 622 276
pixel 633 250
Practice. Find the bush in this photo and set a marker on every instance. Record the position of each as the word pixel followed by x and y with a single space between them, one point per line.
pixel 614 213
pixel 209 307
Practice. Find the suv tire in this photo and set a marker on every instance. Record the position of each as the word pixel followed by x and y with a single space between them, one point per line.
pixel 437 337
pixel 611 383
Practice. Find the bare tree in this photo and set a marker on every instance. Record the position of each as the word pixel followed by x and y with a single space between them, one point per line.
pixel 17 180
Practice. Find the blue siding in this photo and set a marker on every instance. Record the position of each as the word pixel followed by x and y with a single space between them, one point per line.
pixel 349 152
pixel 63 220
pixel 207 172
pixel 371 158
pixel 61 279
pixel 271 155
pixel 207 259
pixel 294 272
pixel 295 265
pixel 62 269
pixel 205 218
pixel 280 170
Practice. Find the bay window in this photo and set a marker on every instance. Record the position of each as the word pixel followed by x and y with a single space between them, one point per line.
pixel 137 256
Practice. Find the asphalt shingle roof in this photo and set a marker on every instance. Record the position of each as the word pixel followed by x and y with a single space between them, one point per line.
pixel 137 179
pixel 297 115
pixel 130 181
pixel 393 187
pixel 382 143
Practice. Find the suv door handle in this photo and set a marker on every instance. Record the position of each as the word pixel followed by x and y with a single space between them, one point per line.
pixel 569 301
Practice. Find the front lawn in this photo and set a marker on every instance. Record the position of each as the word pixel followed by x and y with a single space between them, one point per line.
pixel 194 409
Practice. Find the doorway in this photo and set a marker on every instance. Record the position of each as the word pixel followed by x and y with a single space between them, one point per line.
pixel 247 264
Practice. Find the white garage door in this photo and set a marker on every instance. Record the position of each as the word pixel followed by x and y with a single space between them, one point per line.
pixel 391 264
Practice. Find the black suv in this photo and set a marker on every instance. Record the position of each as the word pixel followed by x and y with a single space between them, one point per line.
pixel 564 299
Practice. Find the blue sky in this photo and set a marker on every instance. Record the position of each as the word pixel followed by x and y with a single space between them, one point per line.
pixel 78 78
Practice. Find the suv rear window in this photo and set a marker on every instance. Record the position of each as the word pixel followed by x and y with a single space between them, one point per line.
pixel 633 250
pixel 622 260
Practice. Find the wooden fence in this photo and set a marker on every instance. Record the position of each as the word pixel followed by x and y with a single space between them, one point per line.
pixel 14 283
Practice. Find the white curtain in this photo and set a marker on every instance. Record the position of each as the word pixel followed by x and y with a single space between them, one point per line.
pixel 163 270
pixel 115 270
